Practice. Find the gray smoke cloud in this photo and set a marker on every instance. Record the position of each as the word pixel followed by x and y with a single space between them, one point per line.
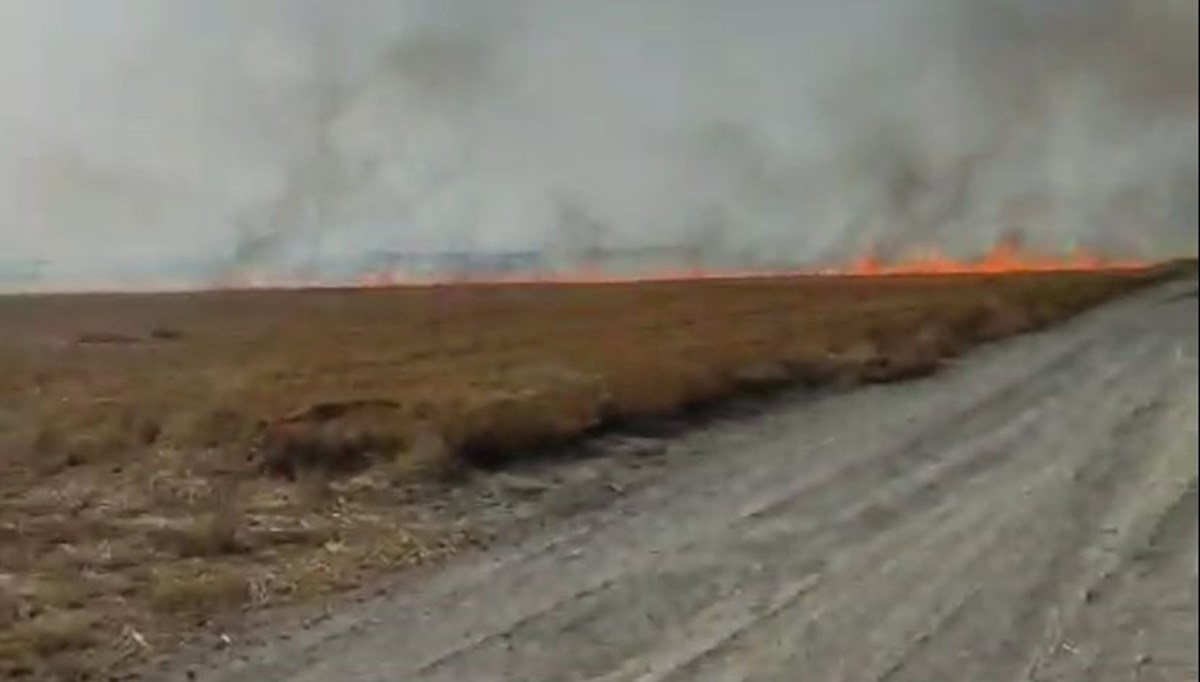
pixel 154 143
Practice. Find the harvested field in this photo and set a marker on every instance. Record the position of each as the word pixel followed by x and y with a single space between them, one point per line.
pixel 165 459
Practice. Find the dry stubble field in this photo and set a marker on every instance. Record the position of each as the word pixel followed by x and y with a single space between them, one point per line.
pixel 168 458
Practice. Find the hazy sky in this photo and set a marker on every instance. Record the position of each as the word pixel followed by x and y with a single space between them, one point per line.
pixel 270 135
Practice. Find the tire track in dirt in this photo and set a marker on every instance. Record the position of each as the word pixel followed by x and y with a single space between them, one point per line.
pixel 956 542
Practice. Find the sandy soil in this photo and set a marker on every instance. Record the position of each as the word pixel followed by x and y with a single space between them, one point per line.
pixel 1027 515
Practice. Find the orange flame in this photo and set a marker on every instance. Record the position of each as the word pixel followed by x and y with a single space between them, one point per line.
pixel 1007 256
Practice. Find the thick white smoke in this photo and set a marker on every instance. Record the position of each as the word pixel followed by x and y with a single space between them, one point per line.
pixel 153 142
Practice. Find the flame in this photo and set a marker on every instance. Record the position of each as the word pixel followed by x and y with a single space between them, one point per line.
pixel 1006 257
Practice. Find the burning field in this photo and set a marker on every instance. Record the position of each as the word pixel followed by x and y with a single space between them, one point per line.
pixel 169 458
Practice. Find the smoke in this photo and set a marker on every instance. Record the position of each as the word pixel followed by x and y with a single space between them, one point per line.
pixel 168 142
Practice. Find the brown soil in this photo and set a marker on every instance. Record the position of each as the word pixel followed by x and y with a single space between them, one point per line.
pixel 169 459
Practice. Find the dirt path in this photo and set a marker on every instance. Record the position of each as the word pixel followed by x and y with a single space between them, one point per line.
pixel 1028 515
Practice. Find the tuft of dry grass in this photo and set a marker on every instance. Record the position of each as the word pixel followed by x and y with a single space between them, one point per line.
pixel 426 457
pixel 265 454
pixel 218 530
pixel 196 591
pixel 51 645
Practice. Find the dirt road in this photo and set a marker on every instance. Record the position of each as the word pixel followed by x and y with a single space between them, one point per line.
pixel 1029 514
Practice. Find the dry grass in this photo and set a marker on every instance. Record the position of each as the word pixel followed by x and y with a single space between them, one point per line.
pixel 165 458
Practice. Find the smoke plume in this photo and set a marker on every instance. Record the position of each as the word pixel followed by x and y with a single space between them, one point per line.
pixel 149 143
